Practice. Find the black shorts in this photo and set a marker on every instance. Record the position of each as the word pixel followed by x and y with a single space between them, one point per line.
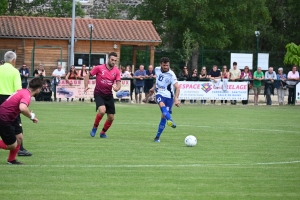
pixel 108 102
pixel 8 132
pixel 3 98
pixel 18 125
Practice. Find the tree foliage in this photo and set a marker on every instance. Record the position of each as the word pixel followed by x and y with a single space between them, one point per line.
pixel 48 8
pixel 3 6
pixel 113 12
pixel 292 55
pixel 63 8
pixel 284 27
pixel 214 23
pixel 189 44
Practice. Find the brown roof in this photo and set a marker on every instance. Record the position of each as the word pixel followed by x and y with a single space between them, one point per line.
pixel 60 28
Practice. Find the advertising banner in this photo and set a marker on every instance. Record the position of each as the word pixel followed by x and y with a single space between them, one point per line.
pixel 206 90
pixel 76 90
pixel 298 92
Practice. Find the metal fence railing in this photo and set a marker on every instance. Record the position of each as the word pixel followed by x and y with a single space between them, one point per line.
pixel 292 83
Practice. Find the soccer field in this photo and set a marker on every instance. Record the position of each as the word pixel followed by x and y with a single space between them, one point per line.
pixel 243 152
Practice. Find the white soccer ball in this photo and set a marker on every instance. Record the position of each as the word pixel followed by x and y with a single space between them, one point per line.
pixel 190 141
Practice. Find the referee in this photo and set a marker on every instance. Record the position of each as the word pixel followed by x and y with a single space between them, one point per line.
pixel 10 82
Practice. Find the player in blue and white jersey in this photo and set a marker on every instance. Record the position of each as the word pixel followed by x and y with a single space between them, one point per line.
pixel 166 82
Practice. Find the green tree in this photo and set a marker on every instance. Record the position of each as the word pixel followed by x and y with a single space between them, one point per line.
pixel 292 55
pixel 214 24
pixel 49 8
pixel 3 6
pixel 284 27
pixel 114 11
pixel 63 8
pixel 188 45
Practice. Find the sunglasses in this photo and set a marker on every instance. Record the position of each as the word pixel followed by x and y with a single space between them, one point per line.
pixel 224 67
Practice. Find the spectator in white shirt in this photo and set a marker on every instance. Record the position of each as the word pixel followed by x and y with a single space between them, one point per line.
pixel 292 78
pixel 57 74
pixel 124 73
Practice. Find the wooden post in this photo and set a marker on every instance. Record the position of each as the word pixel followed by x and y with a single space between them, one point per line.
pixel 152 48
pixel 134 59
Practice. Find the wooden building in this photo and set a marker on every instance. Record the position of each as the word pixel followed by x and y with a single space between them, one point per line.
pixel 42 40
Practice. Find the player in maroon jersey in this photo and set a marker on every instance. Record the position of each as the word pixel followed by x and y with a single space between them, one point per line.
pixel 106 76
pixel 10 110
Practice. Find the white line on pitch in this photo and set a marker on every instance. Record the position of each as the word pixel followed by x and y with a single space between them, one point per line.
pixel 163 165
pixel 189 125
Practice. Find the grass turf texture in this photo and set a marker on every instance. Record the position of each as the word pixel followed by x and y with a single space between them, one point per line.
pixel 243 152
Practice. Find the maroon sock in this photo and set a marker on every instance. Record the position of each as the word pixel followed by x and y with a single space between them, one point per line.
pixel 97 120
pixel 106 126
pixel 13 153
pixel 2 145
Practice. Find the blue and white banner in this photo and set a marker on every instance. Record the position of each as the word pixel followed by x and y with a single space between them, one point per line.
pixel 298 92
pixel 207 90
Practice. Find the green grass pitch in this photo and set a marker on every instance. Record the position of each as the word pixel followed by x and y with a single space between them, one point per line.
pixel 243 152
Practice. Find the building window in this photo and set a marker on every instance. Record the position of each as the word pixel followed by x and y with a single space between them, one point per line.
pixel 83 58
pixel 2 52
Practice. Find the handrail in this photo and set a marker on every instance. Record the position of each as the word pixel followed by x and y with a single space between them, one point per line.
pixel 150 78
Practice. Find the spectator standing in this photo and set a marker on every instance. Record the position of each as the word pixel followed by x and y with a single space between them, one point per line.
pixel 183 76
pixel 57 74
pixel 24 73
pixel 72 75
pixel 139 75
pixel 194 77
pixel 293 77
pixel 124 73
pixel 203 76
pixel 235 74
pixel 270 76
pixel 225 75
pixel 81 74
pixel 132 85
pixel 149 80
pixel 40 72
pixel 257 76
pixel 215 77
pixel 246 75
pixel 280 86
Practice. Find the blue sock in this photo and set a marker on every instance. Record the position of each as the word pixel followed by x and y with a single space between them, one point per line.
pixel 165 113
pixel 161 127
